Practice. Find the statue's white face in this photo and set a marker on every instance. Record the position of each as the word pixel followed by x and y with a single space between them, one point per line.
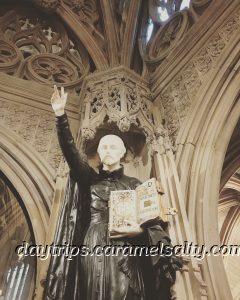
pixel 111 149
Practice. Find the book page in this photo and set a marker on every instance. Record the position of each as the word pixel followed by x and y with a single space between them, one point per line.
pixel 147 201
pixel 122 208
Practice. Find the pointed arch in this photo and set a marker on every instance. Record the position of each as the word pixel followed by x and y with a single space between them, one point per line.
pixel 31 177
pixel 84 36
pixel 202 144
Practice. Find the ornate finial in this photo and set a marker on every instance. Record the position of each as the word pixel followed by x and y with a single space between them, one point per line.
pixel 62 170
pixel 160 142
pixel 87 133
pixel 124 124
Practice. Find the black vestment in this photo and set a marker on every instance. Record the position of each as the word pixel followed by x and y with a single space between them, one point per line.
pixel 84 220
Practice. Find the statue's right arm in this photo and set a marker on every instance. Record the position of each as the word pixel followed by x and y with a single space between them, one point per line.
pixel 77 165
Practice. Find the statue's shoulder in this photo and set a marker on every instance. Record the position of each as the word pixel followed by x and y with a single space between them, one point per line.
pixel 92 176
pixel 131 181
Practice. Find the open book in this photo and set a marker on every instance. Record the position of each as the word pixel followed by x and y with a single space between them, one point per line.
pixel 141 205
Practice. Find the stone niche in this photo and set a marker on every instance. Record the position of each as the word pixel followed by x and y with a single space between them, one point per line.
pixel 118 102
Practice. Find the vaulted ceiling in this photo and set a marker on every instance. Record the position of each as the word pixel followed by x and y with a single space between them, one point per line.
pixel 61 41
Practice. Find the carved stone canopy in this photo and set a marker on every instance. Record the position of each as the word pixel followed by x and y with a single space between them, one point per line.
pixel 134 140
pixel 116 101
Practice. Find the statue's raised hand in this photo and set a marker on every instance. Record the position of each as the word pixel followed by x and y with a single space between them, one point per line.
pixel 58 101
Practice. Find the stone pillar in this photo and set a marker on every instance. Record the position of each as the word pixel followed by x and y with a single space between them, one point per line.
pixel 61 181
pixel 189 284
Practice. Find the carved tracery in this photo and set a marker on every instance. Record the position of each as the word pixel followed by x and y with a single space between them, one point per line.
pixel 37 128
pixel 167 36
pixel 41 50
pixel 36 48
pixel 168 21
pixel 109 30
pixel 120 97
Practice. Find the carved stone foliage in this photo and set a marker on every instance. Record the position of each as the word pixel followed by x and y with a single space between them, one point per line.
pixel 40 49
pixel 35 127
pixel 179 95
pixel 120 97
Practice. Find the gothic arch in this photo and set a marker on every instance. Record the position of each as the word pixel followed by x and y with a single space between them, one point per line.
pixel 232 159
pixel 31 177
pixel 229 211
pixel 202 144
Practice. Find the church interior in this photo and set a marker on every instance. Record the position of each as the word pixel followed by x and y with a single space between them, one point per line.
pixel 163 74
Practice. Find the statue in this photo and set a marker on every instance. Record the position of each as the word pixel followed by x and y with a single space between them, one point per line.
pixel 84 221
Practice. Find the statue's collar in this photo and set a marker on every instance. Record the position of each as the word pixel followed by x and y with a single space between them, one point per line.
pixel 116 174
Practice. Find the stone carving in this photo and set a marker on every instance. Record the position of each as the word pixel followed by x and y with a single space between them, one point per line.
pixel 170 21
pixel 170 113
pixel 132 100
pixel 121 97
pixel 48 6
pixel 215 46
pixel 229 28
pixel 53 154
pixel 124 124
pixel 114 98
pixel 87 12
pixel 97 103
pixel 63 169
pixel 202 61
pixel 50 68
pixel 167 36
pixel 10 55
pixel 41 50
pixel 88 133
pixel 179 95
pixel 160 142
pixel 191 81
pixel 35 127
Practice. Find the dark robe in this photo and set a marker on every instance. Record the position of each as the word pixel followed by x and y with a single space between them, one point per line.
pixel 84 221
